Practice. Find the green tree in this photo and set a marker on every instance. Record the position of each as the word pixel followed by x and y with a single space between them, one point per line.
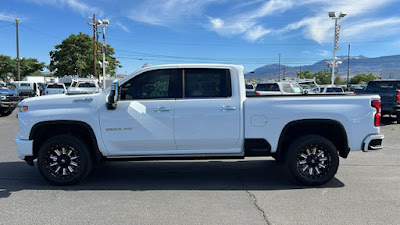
pixel 28 66
pixel 6 65
pixel 306 75
pixel 338 80
pixel 362 78
pixel 75 56
pixel 323 77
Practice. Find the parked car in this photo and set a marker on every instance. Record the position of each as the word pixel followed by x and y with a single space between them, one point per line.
pixel 250 89
pixel 193 111
pixel 332 90
pixel 356 88
pixel 389 90
pixel 278 88
pixel 8 101
pixel 55 88
pixel 27 88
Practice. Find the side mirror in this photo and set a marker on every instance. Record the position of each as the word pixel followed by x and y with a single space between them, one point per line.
pixel 113 97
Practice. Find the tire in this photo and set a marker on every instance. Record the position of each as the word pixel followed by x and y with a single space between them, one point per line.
pixel 5 113
pixel 398 118
pixel 312 160
pixel 64 160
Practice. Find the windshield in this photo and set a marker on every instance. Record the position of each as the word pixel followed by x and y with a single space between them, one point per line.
pixel 383 85
pixel 267 87
pixel 297 89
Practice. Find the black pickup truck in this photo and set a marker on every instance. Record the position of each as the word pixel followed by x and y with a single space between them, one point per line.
pixel 8 101
pixel 389 90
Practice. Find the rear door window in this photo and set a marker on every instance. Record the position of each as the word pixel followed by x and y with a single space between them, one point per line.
pixel 207 83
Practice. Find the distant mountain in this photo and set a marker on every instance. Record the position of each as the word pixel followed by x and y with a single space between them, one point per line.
pixel 385 66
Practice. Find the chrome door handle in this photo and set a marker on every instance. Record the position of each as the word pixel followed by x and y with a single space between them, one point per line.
pixel 227 108
pixel 161 109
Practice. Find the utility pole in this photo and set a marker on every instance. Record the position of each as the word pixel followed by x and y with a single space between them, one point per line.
pixel 348 68
pixel 279 69
pixel 18 59
pixel 97 48
pixel 284 73
pixel 103 25
pixel 94 46
pixel 94 24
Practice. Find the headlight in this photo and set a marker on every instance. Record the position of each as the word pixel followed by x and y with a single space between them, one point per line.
pixel 2 97
pixel 23 108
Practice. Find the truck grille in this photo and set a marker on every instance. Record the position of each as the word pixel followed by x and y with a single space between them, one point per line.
pixel 11 99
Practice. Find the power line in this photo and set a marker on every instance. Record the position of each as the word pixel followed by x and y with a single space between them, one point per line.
pixel 7 25
pixel 46 34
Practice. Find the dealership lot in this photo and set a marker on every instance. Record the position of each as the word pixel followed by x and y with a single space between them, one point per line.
pixel 255 191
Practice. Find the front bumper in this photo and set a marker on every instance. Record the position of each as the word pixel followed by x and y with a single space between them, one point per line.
pixel 24 148
pixel 11 105
pixel 373 142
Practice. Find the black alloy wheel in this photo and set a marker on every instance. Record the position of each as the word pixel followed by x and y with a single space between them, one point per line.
pixel 64 160
pixel 312 160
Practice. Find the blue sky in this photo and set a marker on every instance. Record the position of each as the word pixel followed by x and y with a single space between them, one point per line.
pixel 247 32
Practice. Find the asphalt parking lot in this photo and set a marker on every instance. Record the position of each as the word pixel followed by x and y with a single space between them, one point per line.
pixel 255 191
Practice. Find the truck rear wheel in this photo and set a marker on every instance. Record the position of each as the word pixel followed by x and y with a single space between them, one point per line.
pixel 64 160
pixel 312 160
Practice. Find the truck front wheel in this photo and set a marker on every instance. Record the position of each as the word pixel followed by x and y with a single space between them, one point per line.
pixel 312 160
pixel 64 160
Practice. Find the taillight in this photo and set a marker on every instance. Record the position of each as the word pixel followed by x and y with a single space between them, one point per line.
pixel 355 93
pixel 377 118
pixel 257 93
pixel 398 96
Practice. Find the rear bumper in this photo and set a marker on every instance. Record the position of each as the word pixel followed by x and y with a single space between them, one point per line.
pixel 373 142
pixel 24 148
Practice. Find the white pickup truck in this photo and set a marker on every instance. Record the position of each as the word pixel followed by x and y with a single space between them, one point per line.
pixel 193 112
pixel 84 86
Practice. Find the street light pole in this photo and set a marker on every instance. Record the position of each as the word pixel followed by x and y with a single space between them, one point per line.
pixel 104 55
pixel 103 24
pixel 335 40
pixel 18 59
pixel 334 53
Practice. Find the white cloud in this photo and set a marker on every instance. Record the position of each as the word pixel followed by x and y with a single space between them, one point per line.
pixel 320 28
pixel 168 12
pixel 123 27
pixel 248 23
pixel 252 20
pixel 256 32
pixel 7 17
pixel 325 53
pixel 76 5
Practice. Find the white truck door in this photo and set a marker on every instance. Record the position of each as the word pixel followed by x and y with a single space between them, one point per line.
pixel 142 123
pixel 207 118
